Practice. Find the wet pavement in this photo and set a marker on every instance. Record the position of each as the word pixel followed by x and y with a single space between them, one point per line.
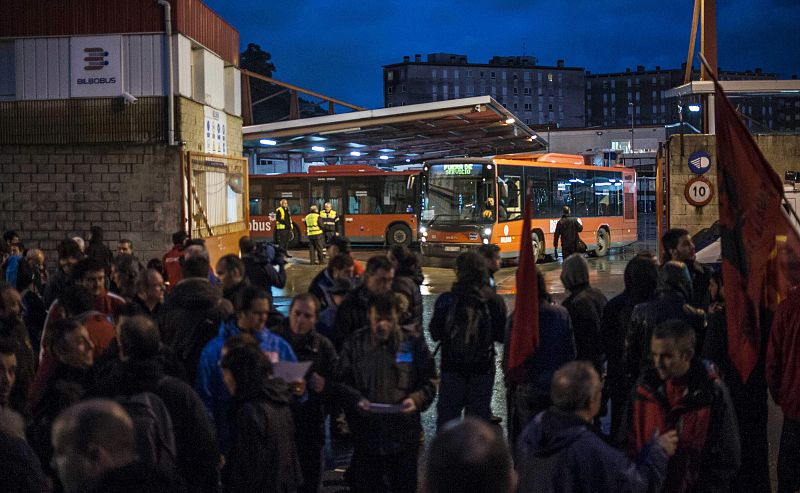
pixel 605 274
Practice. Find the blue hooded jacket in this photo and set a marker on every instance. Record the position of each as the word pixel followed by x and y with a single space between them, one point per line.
pixel 559 452
pixel 209 384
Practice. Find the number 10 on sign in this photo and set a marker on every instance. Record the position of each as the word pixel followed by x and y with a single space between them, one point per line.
pixel 699 191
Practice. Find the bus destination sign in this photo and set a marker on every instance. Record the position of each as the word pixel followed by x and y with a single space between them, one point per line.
pixel 458 169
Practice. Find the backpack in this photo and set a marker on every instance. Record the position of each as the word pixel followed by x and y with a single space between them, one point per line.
pixel 152 425
pixel 468 339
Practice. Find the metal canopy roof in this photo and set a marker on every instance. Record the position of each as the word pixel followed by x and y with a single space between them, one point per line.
pixel 478 126
pixel 738 87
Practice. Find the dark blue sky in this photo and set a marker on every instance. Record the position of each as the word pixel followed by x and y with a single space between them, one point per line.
pixel 338 47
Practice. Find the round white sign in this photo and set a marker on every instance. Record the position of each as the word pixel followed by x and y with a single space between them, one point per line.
pixel 699 192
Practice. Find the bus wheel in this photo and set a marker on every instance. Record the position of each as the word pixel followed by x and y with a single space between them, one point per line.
pixel 399 234
pixel 603 242
pixel 294 238
pixel 538 245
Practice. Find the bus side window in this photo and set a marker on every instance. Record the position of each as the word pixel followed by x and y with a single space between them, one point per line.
pixel 540 178
pixel 510 191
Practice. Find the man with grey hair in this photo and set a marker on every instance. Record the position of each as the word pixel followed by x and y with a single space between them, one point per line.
pixel 560 450
pixel 95 450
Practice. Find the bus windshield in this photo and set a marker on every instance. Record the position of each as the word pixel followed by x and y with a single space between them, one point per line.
pixel 458 194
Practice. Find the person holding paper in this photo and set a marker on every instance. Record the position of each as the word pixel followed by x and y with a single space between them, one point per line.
pixel 386 377
pixel 252 310
pixel 309 414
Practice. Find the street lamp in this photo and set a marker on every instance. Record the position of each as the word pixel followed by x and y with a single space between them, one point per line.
pixel 633 146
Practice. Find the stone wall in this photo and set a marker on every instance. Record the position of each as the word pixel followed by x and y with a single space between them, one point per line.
pixel 49 193
pixel 190 118
pixel 782 152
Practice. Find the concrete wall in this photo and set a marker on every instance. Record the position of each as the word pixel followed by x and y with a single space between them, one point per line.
pixel 54 192
pixel 782 152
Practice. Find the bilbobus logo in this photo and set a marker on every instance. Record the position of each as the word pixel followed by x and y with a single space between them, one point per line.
pixel 95 58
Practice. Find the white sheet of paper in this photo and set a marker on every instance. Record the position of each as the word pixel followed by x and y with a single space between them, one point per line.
pixel 291 371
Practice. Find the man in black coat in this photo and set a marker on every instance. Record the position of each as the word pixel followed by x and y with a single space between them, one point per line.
pixel 387 378
pixel 567 229
pixel 259 270
pixel 353 312
pixel 140 370
pixel 309 414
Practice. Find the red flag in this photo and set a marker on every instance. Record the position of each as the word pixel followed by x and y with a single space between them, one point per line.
pixel 754 227
pixel 525 328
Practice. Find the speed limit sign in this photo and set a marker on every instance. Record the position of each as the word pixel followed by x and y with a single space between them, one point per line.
pixel 699 191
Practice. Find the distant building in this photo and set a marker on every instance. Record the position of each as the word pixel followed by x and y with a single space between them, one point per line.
pixel 539 95
pixel 637 97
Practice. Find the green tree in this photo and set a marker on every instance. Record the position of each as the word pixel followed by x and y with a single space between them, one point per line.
pixel 257 60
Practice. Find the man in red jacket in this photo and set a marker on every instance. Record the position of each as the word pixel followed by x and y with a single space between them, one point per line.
pixel 685 394
pixel 783 378
pixel 172 259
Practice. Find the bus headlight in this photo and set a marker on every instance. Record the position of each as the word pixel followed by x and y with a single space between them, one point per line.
pixel 423 239
pixel 423 230
pixel 486 241
pixel 487 231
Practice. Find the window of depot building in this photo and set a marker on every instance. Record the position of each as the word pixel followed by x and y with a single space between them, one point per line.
pixel 390 75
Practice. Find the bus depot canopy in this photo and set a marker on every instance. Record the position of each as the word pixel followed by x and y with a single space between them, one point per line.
pixel 478 126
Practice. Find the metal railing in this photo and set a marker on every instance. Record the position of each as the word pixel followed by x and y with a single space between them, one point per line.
pixel 83 121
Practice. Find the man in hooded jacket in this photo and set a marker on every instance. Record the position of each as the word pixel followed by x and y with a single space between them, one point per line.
pixel 561 451
pixel 585 305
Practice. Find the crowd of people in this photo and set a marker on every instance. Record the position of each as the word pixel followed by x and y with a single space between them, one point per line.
pixel 176 375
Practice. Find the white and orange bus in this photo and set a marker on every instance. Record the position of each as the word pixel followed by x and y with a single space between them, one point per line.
pixel 375 206
pixel 469 202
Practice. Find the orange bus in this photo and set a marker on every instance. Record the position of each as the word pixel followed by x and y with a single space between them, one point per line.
pixel 375 206
pixel 469 202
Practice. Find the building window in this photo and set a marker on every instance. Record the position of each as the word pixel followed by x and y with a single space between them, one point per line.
pixel 444 73
pixel 527 90
pixel 433 74
pixel 527 106
pixel 403 88
pixel 516 91
pixel 549 77
pixel 492 75
pixel 389 90
pixel 515 77
pixel 469 73
pixel 390 75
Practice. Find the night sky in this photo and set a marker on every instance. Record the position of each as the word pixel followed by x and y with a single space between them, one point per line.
pixel 337 48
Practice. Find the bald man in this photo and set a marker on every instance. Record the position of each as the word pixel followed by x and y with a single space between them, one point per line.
pixel 94 446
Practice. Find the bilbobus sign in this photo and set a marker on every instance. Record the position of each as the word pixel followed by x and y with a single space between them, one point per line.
pixel 95 66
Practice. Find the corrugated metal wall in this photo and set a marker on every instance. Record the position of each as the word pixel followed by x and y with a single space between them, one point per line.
pixel 38 18
pixel 143 66
pixel 42 66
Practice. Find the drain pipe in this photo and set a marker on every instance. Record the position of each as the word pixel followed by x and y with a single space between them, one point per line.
pixel 171 95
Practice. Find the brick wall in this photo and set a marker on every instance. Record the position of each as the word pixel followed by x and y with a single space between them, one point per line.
pixel 54 192
pixel 782 152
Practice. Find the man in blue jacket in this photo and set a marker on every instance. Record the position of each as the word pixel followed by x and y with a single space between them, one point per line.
pixel 252 310
pixel 561 451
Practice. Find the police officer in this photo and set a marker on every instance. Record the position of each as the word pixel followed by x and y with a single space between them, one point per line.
pixel 314 232
pixel 329 222
pixel 283 224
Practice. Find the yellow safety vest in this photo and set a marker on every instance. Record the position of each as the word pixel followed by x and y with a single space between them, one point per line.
pixel 328 219
pixel 281 218
pixel 312 224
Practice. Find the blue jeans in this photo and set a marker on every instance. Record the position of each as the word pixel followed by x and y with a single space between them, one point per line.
pixel 471 393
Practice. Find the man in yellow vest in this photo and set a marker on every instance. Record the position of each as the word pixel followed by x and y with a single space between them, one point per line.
pixel 329 222
pixel 283 225
pixel 314 233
